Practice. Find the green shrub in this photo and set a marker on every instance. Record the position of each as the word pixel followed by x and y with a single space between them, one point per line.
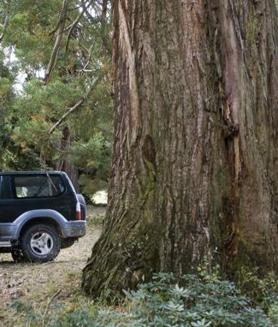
pixel 194 301
pixel 201 300
pixel 262 291
pixel 273 312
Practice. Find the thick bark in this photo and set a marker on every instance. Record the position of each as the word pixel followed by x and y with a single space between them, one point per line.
pixel 194 170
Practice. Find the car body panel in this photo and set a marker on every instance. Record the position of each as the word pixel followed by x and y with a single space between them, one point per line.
pixel 17 212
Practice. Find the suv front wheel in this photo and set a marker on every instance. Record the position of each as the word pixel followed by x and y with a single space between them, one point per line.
pixel 40 243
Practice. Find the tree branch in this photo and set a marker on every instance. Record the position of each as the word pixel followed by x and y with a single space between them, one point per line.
pixel 66 114
pixel 74 107
pixel 84 69
pixel 74 23
pixel 6 7
pixel 4 28
pixel 91 18
pixel 55 50
pixel 104 12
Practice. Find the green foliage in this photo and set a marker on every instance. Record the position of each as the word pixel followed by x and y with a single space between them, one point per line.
pixel 81 73
pixel 262 291
pixel 192 301
pixel 95 155
pixel 6 96
pixel 28 30
pixel 273 312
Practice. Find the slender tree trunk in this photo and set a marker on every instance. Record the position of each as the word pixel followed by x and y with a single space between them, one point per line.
pixel 65 164
pixel 195 166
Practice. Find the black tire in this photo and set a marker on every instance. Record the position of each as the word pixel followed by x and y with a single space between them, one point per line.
pixel 40 243
pixel 17 255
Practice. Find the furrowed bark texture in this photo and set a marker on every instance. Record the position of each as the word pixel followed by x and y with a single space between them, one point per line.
pixel 194 171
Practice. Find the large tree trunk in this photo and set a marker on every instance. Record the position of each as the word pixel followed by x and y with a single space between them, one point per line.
pixel 195 166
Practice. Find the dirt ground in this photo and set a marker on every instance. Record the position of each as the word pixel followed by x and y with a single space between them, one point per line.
pixel 38 283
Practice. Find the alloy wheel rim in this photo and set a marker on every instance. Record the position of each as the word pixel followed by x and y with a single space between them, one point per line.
pixel 41 243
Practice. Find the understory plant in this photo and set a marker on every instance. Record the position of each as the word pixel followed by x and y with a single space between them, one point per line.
pixel 195 300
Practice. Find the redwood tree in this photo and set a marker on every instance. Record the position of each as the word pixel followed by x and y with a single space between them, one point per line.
pixel 195 165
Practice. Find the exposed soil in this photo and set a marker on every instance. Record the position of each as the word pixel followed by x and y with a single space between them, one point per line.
pixel 37 283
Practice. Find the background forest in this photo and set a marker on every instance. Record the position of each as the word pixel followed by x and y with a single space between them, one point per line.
pixel 55 88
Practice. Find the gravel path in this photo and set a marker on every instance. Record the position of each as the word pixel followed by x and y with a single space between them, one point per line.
pixel 28 281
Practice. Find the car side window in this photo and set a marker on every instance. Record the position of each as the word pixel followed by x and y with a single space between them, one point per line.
pixel 5 188
pixel 38 186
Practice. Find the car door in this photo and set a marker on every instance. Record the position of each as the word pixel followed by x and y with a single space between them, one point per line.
pixel 43 191
pixel 8 209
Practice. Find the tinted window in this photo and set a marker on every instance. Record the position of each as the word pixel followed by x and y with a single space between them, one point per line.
pixel 38 186
pixel 5 188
